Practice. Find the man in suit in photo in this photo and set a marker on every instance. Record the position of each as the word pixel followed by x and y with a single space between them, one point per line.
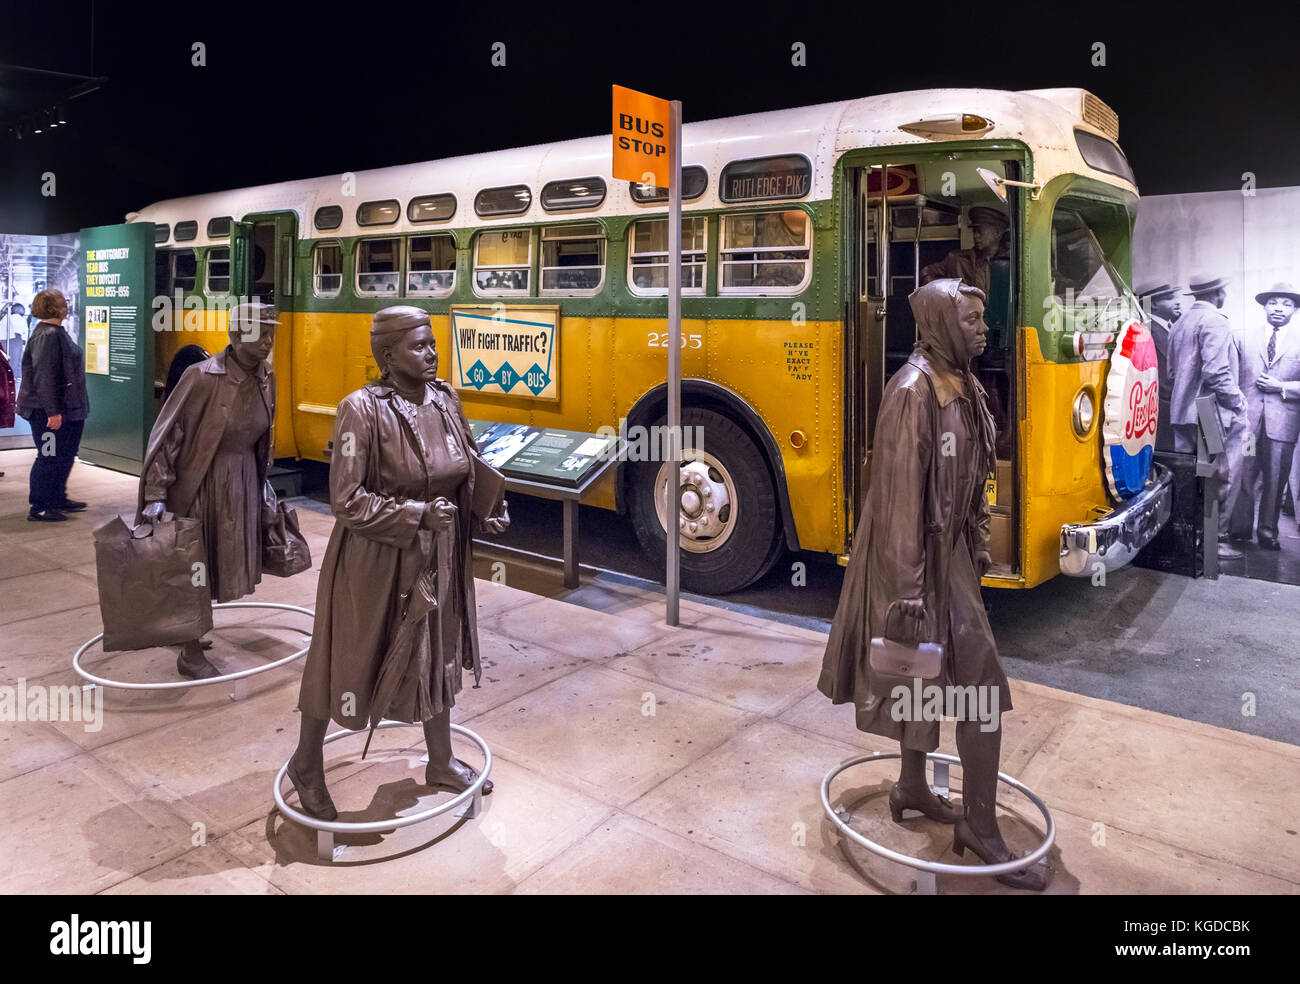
pixel 1270 382
pixel 1163 306
pixel 1204 360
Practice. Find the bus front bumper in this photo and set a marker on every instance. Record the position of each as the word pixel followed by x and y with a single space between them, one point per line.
pixel 1112 541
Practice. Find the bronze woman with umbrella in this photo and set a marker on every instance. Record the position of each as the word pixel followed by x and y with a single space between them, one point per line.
pixel 395 614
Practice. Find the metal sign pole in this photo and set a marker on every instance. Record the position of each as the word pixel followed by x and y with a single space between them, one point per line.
pixel 672 514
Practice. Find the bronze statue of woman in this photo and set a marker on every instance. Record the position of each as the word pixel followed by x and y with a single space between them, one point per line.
pixel 401 490
pixel 934 438
pixel 207 458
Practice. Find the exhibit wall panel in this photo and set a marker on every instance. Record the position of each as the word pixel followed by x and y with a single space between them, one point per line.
pixel 117 288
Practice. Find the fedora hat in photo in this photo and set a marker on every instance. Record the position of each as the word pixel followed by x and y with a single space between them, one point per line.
pixel 1204 283
pixel 1279 289
pixel 1157 291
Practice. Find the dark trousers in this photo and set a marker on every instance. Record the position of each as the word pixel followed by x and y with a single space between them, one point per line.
pixel 55 453
pixel 1268 466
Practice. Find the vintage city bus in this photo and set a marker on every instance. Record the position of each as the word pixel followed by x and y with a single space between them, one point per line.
pixel 804 231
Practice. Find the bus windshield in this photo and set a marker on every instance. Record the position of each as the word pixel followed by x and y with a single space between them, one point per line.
pixel 1079 265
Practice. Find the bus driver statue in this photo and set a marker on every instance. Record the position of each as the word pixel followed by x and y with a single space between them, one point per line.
pixel 918 559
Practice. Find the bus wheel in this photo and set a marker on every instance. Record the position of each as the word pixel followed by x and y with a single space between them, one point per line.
pixel 188 356
pixel 728 524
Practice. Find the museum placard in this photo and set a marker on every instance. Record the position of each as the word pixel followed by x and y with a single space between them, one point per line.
pixel 117 298
pixel 507 351
pixel 542 454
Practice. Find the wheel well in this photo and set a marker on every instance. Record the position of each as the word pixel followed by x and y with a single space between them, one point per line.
pixel 702 394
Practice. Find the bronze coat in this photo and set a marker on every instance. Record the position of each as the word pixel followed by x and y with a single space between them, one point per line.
pixel 376 552
pixel 188 431
pixel 888 560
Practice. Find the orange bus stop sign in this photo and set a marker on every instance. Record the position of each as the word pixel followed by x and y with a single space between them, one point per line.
pixel 641 138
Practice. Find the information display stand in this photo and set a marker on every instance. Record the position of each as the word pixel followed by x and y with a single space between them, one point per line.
pixel 550 464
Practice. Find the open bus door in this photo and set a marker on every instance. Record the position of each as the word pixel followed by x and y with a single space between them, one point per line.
pixel 905 214
pixel 262 248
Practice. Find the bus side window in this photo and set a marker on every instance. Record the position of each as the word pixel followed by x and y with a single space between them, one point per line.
pixel 327 269
pixel 430 265
pixel 378 267
pixel 218 265
pixel 503 261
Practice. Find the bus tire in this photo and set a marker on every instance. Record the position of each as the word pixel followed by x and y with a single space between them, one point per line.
pixel 726 548
pixel 190 355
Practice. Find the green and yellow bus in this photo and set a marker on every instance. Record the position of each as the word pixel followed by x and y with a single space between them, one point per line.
pixel 804 230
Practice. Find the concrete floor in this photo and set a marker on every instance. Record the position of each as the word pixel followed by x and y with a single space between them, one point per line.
pixel 716 791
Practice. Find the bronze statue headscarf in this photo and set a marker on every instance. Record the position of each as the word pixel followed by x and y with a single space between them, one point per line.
pixel 941 341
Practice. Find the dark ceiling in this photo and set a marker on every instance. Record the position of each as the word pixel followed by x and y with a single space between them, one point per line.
pixel 297 90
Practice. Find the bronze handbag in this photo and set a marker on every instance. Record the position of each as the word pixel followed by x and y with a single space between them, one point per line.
pixel 895 663
pixel 284 548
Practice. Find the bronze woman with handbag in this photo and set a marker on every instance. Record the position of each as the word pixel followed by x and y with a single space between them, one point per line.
pixel 910 606
pixel 208 456
pixel 395 611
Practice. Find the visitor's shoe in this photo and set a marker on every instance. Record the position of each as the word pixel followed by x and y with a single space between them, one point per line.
pixel 1236 538
pixel 313 799
pixel 1269 542
pixel 46 516
pixel 72 505
pixel 934 806
pixel 1227 552
pixel 1029 879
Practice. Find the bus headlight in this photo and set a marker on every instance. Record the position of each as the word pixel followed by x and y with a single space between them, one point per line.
pixel 1083 413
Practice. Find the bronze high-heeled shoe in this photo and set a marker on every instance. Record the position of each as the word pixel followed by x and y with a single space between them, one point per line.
pixel 1028 878
pixel 314 801
pixel 899 801
pixel 430 781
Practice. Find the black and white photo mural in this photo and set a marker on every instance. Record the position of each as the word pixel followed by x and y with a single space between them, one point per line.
pixel 1219 275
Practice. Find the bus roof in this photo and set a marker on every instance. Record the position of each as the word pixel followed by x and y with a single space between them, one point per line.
pixel 1043 119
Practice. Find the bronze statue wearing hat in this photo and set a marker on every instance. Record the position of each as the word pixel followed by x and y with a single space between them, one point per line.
pixel 989 238
pixel 1270 381
pixel 395 613
pixel 208 455
pixel 914 572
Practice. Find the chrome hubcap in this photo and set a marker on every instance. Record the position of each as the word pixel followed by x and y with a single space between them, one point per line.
pixel 708 501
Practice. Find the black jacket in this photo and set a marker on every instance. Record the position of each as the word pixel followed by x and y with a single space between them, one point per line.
pixel 54 375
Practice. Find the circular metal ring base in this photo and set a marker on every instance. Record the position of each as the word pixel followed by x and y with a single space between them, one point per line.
pixel 379 826
pixel 183 684
pixel 938 867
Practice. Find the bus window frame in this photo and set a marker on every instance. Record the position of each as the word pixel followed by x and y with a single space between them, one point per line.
pixel 208 290
pixel 315 268
pixel 172 253
pixel 386 202
pixel 544 291
pixel 356 267
pixel 725 291
pixel 406 265
pixel 503 292
pixel 630 239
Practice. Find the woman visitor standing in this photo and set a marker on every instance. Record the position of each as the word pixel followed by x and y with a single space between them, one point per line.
pixel 52 397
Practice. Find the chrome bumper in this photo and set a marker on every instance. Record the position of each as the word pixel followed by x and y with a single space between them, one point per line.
pixel 1115 539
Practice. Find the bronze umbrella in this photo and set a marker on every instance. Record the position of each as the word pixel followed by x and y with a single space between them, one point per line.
pixel 417 603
